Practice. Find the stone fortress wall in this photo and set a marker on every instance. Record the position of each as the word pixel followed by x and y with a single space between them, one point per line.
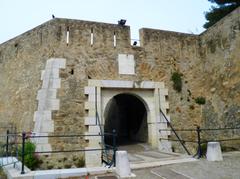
pixel 209 64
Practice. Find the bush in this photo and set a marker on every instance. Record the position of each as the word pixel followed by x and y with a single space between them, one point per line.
pixel 204 148
pixel 80 162
pixel 177 81
pixel 31 160
pixel 200 100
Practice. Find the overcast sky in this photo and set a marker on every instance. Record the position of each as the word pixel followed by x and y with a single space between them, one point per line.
pixel 18 16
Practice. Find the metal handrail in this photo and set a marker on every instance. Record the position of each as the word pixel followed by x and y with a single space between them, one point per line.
pixel 181 141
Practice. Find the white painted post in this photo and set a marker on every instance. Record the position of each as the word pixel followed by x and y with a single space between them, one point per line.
pixel 214 152
pixel 122 165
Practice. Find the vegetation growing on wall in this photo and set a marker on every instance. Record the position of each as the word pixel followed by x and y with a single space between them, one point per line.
pixel 177 81
pixel 200 100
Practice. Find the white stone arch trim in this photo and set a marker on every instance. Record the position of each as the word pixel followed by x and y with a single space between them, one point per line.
pixel 94 92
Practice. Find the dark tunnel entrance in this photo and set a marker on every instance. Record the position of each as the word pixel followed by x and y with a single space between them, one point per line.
pixel 128 116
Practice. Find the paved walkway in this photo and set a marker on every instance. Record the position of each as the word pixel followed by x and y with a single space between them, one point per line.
pixel 229 168
pixel 142 155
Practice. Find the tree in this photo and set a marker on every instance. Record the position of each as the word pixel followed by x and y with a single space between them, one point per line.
pixel 222 9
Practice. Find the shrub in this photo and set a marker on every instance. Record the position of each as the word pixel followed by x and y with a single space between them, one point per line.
pixel 31 160
pixel 200 100
pixel 192 107
pixel 204 148
pixel 80 162
pixel 177 81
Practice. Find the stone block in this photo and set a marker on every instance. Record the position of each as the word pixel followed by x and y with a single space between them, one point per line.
pixel 94 83
pixel 164 105
pixel 49 63
pixel 163 91
pixel 88 133
pixel 41 140
pixel 47 126
pixel 165 146
pixel 42 115
pixel 73 172
pixel 89 105
pixel 48 105
pixel 42 74
pixel 95 142
pixel 50 74
pixel 93 158
pixel 214 152
pixel 126 64
pixel 51 83
pixel 91 112
pixel 162 119
pixel 56 63
pixel 94 129
pixel 164 134
pixel 95 136
pixel 151 107
pixel 47 93
pixel 147 85
pixel 92 98
pixel 159 85
pixel 89 90
pixel 43 148
pixel 59 63
pixel 90 121
pixel 153 134
pixel 162 125
pixel 123 169
pixel 117 84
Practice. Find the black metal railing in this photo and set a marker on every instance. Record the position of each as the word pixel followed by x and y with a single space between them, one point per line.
pixel 9 148
pixel 201 137
pixel 109 160
pixel 174 131
pixel 14 147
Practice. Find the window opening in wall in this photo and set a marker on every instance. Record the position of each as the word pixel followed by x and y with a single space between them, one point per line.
pixel 67 38
pixel 72 71
pixel 40 36
pixel 114 40
pixel 91 36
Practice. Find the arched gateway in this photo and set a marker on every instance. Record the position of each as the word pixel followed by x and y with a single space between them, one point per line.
pixel 127 114
pixel 132 108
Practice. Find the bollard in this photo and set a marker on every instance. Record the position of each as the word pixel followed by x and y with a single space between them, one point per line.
pixel 123 165
pixel 114 147
pixel 214 152
pixel 7 143
pixel 23 151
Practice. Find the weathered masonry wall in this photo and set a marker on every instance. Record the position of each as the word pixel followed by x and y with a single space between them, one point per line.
pixel 209 64
pixel 220 58
pixel 210 67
